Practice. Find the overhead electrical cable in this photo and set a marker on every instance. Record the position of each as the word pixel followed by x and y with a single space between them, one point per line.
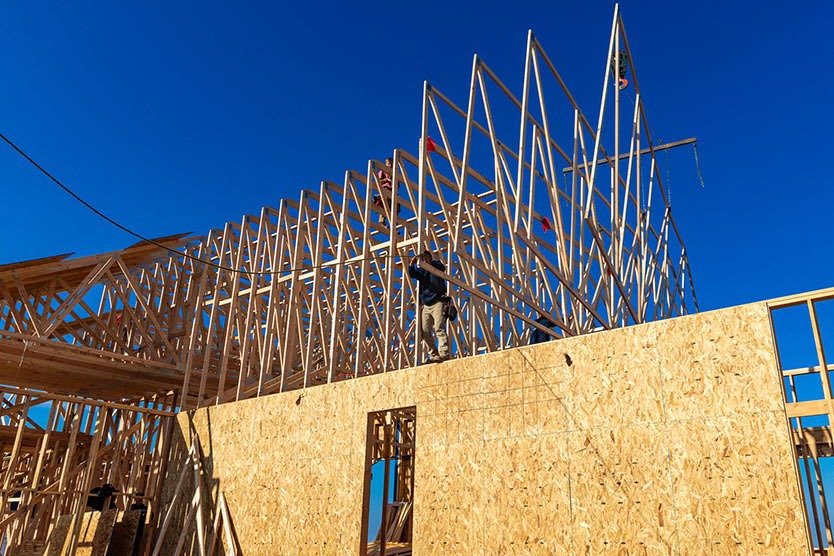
pixel 171 250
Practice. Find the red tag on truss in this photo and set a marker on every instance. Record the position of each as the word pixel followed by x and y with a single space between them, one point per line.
pixel 430 146
pixel 546 225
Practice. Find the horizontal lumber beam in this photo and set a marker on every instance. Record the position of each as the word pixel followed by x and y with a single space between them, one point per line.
pixel 663 147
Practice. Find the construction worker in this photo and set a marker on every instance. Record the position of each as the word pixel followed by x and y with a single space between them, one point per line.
pixel 432 318
pixel 620 70
pixel 387 189
pixel 538 336
pixel 385 177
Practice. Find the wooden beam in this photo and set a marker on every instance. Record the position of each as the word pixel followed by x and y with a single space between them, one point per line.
pixel 663 147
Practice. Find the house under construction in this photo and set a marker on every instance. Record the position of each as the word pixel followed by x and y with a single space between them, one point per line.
pixel 259 389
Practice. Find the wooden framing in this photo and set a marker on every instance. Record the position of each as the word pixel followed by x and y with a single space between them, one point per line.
pixel 208 539
pixel 316 290
pixel 47 470
pixel 810 419
pixel 391 440
pixel 103 326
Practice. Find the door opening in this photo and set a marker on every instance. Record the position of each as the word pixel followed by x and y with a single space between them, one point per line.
pixel 388 505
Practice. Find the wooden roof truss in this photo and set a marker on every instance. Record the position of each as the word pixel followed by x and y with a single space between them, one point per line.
pixel 534 209
pixel 572 222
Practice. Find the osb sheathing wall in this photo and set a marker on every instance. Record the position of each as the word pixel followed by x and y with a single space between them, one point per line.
pixel 664 438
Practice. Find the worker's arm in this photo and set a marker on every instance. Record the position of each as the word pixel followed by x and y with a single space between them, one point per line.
pixel 414 271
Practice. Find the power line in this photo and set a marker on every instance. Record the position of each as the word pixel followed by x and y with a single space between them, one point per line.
pixel 139 236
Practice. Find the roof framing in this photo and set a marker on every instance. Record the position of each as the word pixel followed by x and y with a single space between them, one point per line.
pixel 316 291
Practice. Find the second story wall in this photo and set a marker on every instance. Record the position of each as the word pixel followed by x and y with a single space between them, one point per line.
pixel 668 437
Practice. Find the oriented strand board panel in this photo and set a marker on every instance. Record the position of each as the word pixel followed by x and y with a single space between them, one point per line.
pixel 96 530
pixel 719 364
pixel 94 535
pixel 724 486
pixel 664 438
pixel 58 535
pixel 124 533
pixel 620 491
pixel 291 465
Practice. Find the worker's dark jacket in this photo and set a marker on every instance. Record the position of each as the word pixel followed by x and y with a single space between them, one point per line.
pixel 538 336
pixel 432 287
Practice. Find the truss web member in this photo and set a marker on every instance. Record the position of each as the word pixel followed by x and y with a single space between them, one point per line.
pixel 432 317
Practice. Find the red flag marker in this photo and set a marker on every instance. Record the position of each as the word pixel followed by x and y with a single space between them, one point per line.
pixel 546 224
pixel 430 146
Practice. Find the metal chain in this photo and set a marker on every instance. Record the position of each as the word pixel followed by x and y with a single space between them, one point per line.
pixel 668 179
pixel 698 165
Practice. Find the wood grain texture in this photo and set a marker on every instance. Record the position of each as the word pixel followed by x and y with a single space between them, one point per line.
pixel 663 438
pixel 124 533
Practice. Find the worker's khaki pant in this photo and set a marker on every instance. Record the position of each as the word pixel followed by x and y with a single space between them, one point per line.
pixel 432 319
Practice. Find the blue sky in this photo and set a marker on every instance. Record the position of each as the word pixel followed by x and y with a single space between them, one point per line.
pixel 178 117
pixel 175 117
